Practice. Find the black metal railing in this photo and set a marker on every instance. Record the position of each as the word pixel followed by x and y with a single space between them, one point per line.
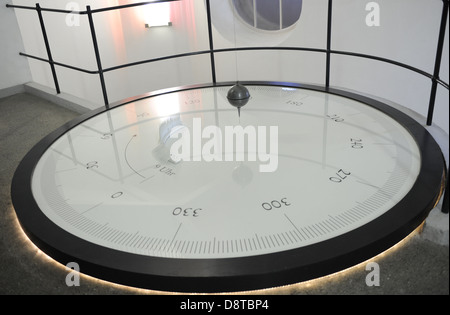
pixel 328 51
pixel 434 77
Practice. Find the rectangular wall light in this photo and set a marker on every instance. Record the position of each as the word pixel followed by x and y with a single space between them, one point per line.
pixel 157 24
pixel 157 14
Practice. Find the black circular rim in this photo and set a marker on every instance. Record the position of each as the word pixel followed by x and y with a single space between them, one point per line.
pixel 241 273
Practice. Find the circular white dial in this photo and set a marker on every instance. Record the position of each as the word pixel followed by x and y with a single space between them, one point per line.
pixel 313 166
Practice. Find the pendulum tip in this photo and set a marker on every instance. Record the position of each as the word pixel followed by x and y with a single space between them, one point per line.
pixel 238 96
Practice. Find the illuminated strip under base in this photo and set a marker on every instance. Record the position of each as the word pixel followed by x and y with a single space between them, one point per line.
pixel 282 290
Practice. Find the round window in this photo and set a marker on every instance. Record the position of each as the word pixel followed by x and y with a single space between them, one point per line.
pixel 268 15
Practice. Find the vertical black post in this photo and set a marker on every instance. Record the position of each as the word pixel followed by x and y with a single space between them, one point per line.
pixel 97 55
pixel 330 14
pixel 47 47
pixel 445 201
pixel 437 65
pixel 211 44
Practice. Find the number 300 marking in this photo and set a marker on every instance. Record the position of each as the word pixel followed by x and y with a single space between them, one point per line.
pixel 275 204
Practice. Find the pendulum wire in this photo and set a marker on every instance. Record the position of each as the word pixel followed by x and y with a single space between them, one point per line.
pixel 235 56
pixel 235 45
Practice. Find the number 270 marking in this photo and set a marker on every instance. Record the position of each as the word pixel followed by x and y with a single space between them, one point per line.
pixel 340 176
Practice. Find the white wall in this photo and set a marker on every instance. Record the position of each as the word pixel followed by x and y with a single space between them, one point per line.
pixel 122 38
pixel 408 33
pixel 14 68
pixel 271 65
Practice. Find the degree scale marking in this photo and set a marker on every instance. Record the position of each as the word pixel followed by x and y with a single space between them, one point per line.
pixel 126 159
pixel 277 239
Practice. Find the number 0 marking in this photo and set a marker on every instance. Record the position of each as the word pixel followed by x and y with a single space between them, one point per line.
pixel 116 195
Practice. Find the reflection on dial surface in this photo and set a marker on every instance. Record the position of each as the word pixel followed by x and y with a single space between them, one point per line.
pixel 112 181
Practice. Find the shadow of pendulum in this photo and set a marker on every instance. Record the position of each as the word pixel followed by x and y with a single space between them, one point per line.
pixel 238 95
